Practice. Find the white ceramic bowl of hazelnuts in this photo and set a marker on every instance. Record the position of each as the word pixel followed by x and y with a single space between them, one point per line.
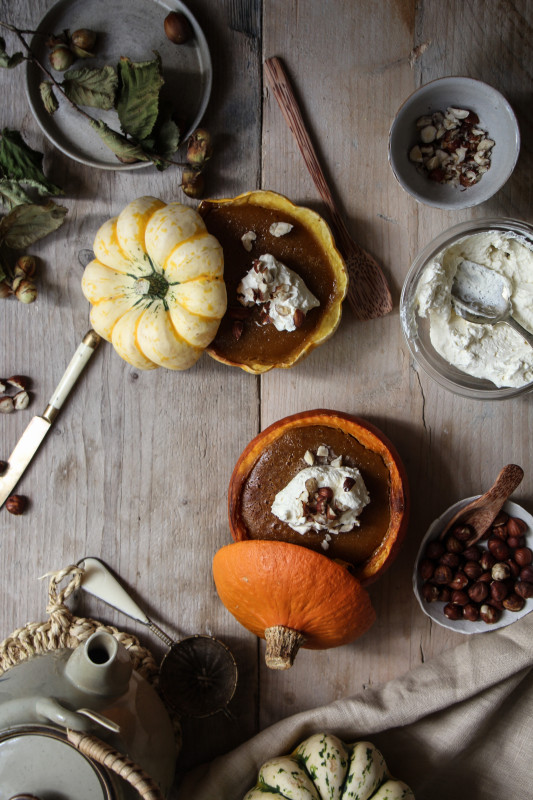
pixel 482 587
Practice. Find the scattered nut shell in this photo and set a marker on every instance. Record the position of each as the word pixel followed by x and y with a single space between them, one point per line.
pixel 280 228
pixel 248 239
pixel 7 405
pixel 21 400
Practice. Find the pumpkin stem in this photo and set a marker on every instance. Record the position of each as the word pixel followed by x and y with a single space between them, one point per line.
pixel 154 285
pixel 282 644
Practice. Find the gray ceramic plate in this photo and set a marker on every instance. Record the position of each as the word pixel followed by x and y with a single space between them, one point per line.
pixel 132 28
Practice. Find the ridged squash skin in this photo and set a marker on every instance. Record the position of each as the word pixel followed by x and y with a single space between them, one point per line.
pixel 324 768
pixel 156 284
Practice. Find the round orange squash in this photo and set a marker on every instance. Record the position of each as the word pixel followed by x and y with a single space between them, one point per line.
pixel 291 596
pixel 245 339
pixel 275 456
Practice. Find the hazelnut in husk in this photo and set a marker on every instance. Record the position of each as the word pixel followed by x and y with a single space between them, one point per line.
pixel 199 147
pixel 192 182
pixel 61 57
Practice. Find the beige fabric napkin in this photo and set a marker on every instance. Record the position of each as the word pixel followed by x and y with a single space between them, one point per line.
pixel 459 726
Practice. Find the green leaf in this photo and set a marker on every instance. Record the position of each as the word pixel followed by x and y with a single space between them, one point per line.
pixel 20 162
pixel 91 87
pixel 48 97
pixel 7 60
pixel 12 193
pixel 163 143
pixel 138 98
pixel 28 223
pixel 124 149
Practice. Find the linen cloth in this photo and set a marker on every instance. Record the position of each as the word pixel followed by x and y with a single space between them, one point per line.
pixel 458 726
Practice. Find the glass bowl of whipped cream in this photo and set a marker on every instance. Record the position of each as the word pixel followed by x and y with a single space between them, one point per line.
pixel 489 361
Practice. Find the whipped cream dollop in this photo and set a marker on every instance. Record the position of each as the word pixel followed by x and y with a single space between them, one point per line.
pixel 322 498
pixel 279 290
pixel 493 352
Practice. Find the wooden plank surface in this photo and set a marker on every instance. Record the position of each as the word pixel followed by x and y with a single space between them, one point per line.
pixel 136 468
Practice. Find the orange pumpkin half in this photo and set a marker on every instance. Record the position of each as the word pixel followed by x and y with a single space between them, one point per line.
pixel 290 596
pixel 277 454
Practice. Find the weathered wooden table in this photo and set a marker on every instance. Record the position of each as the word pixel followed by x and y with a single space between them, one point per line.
pixel 136 468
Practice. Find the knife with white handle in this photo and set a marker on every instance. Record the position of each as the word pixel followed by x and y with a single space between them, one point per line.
pixel 32 437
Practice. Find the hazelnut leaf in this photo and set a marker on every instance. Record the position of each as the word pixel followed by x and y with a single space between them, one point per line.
pixel 19 162
pixel 138 96
pixel 12 193
pixel 48 97
pixel 91 87
pixel 125 149
pixel 27 223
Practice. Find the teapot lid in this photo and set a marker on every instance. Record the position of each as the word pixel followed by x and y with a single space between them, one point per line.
pixel 40 762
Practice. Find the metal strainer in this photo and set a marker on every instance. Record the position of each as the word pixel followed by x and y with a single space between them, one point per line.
pixel 198 674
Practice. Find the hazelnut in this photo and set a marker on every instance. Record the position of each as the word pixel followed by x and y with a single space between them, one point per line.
pixel 442 574
pixel 453 545
pixel 516 527
pixel 498 548
pixel 463 532
pixel 515 542
pixel 472 570
pixel 445 594
pixel 459 597
pixel 7 405
pixel 177 27
pixel 514 602
pixel 500 532
pixel 3 467
pixel 524 589
pixel 501 571
pixel 501 519
pixel 487 560
pixel 489 614
pixel 21 400
pixel 498 590
pixel 450 560
pixel 472 553
pixel 459 581
pixel 61 58
pixel 84 38
pixel 16 504
pixel 523 556
pixel 426 568
pixel 434 550
pixel 430 593
pixel 478 592
pixel 192 182
pixel 526 574
pixel 452 611
pixel 471 612
pixel 485 577
pixel 513 566
pixel 20 382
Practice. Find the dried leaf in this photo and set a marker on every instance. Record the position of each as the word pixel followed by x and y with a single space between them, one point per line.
pixel 20 162
pixel 12 193
pixel 124 149
pixel 48 97
pixel 138 97
pixel 29 222
pixel 7 60
pixel 91 87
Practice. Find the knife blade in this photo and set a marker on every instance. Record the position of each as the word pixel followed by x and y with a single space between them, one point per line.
pixel 39 426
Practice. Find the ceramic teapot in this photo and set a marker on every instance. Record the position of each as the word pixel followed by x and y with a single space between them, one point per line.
pixel 71 720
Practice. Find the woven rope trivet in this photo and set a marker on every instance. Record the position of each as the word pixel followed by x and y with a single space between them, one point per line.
pixel 64 630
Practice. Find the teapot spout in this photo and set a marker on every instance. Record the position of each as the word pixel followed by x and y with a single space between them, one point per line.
pixel 100 666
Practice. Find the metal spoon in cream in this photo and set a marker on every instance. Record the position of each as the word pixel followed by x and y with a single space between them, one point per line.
pixel 483 296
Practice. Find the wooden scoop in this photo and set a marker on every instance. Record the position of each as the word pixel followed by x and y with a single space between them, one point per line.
pixel 481 513
pixel 368 291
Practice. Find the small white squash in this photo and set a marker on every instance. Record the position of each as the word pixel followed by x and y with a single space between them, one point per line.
pixel 324 768
pixel 156 285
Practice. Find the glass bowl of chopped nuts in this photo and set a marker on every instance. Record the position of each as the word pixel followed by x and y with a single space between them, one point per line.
pixel 481 587
pixel 454 143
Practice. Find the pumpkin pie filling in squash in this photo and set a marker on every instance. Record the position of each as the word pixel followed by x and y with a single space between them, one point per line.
pixel 307 249
pixel 277 455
